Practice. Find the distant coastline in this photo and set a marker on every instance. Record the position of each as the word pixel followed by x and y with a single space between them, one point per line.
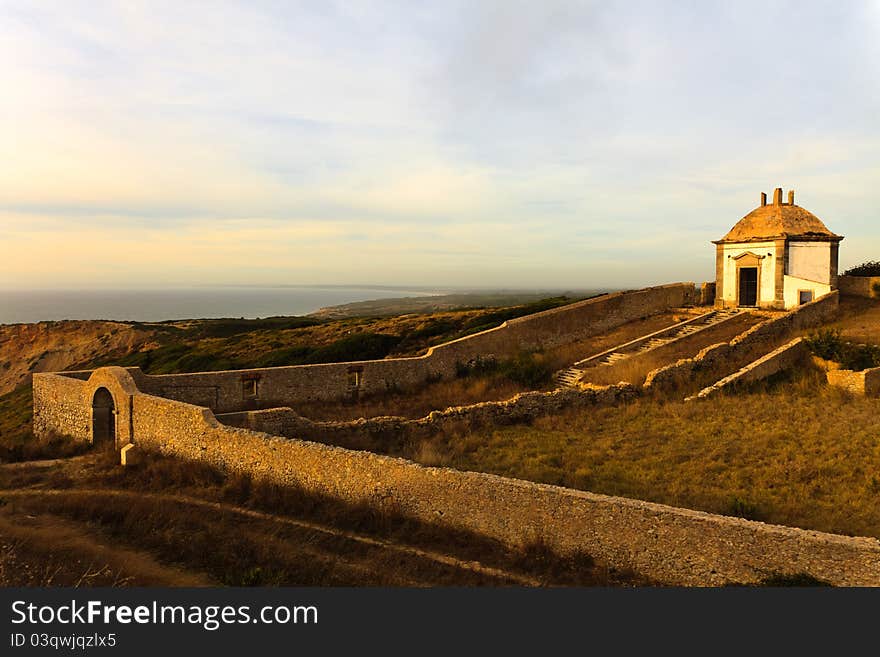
pixel 29 306
pixel 248 302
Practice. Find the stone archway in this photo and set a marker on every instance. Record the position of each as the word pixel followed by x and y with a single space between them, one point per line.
pixel 103 418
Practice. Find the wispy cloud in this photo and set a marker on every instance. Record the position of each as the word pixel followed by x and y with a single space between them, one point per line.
pixel 511 143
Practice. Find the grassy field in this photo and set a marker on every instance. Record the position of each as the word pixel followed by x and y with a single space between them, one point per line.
pixel 859 320
pixel 791 452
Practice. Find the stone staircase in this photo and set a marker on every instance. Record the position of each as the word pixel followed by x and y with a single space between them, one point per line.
pixel 568 378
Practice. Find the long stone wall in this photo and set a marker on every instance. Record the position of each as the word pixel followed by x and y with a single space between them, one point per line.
pixel 225 392
pixel 677 546
pixel 719 360
pixel 778 360
pixel 385 434
pixel 859 286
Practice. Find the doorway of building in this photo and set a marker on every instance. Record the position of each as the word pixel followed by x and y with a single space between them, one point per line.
pixel 103 418
pixel 748 286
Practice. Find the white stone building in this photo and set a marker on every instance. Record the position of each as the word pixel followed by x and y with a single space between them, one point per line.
pixel 778 256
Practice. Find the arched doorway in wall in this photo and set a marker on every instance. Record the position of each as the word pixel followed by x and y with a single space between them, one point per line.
pixel 103 418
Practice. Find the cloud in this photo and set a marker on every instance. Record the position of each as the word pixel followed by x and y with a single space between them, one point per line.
pixel 557 143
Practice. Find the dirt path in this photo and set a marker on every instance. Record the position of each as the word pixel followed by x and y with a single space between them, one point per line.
pixel 437 557
pixel 47 550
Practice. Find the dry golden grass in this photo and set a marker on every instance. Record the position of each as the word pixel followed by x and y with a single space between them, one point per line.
pixel 173 522
pixel 416 404
pixel 796 453
pixel 859 320
pixel 45 550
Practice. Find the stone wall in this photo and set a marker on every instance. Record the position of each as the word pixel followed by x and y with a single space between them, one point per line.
pixel 225 392
pixel 864 382
pixel 783 358
pixel 61 406
pixel 386 434
pixel 707 293
pixel 722 359
pixel 677 546
pixel 859 286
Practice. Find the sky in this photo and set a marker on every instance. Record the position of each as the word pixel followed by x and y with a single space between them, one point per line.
pixel 481 143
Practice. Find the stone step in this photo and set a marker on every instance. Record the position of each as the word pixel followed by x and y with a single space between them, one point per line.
pixel 569 378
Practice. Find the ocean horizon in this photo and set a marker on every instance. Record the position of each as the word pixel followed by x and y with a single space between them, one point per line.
pixel 143 305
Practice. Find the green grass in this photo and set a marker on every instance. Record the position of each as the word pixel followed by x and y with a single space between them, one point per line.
pixel 796 453
pixel 214 355
pixel 211 345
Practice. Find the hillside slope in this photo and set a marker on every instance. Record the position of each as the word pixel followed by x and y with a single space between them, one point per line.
pixel 55 346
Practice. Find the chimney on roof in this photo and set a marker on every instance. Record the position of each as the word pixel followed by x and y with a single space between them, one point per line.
pixel 791 197
pixel 777 196
pixel 763 199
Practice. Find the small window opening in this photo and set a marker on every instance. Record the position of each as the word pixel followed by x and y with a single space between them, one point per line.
pixel 355 377
pixel 249 387
pixel 805 296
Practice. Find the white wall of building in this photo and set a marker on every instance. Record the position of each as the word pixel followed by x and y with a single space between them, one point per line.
pixel 810 261
pixel 768 269
pixel 792 286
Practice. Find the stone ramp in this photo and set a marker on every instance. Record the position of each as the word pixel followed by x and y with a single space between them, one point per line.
pixel 570 376
pixel 776 360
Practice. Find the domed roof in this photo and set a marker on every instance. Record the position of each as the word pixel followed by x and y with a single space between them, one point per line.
pixel 777 220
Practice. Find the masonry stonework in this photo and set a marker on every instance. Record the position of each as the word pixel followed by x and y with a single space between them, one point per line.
pixel 222 392
pixel 390 433
pixel 859 286
pixel 676 546
pixel 864 382
pixel 722 359
pixel 783 358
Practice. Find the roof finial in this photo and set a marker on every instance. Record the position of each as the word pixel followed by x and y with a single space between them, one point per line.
pixel 791 197
pixel 777 196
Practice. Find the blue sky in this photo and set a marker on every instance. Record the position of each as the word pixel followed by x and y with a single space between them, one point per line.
pixel 513 144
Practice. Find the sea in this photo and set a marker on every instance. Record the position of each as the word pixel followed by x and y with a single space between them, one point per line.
pixel 27 306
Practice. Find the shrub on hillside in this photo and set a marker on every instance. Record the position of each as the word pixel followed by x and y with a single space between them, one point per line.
pixel 860 356
pixel 360 346
pixel 479 366
pixel 870 268
pixel 280 357
pixel 223 328
pixel 526 370
pixel 828 344
pixel 498 317
pixel 742 509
